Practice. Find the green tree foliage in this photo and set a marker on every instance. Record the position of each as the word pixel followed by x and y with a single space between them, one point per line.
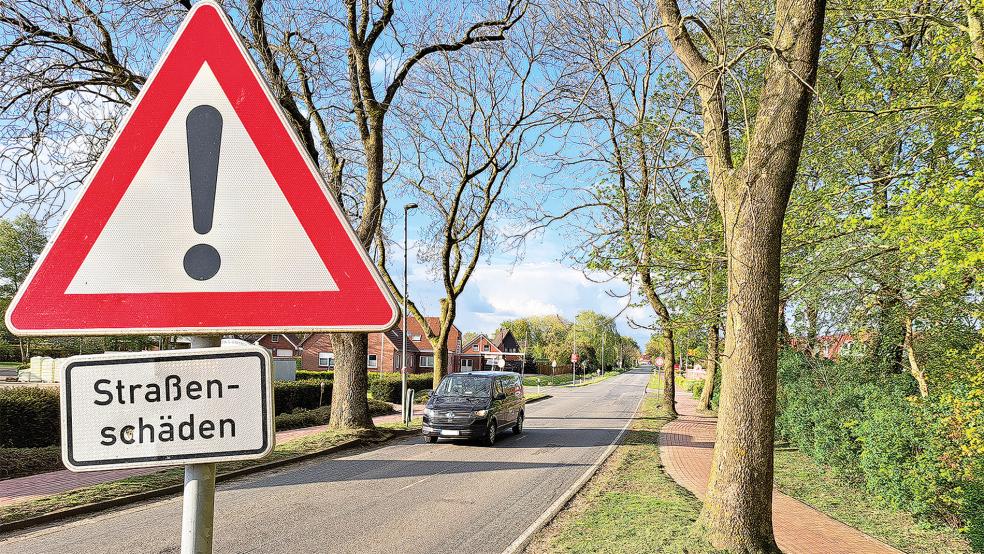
pixel 21 242
pixel 553 338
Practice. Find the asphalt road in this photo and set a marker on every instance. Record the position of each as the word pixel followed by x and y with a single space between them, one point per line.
pixel 407 497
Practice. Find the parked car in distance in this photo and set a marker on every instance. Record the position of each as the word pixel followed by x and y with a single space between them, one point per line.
pixel 475 405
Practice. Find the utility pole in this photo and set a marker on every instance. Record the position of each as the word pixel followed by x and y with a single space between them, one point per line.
pixel 403 352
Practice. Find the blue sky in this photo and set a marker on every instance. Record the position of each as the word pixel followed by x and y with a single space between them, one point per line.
pixel 504 286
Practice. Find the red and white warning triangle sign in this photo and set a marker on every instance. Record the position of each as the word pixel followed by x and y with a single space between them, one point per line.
pixel 204 214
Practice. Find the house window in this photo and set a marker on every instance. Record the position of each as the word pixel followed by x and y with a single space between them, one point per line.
pixel 326 359
pixel 466 364
pixel 475 347
pixel 427 361
pixel 371 361
pixel 486 348
pixel 274 338
pixel 415 338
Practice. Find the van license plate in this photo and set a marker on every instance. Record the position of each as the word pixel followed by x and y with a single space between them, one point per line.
pixel 447 433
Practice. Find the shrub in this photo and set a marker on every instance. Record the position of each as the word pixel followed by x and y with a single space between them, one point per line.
pixel 388 387
pixel 304 374
pixel 18 462
pixel 29 417
pixel 300 417
pixel 307 395
pixel 907 452
pixel 697 388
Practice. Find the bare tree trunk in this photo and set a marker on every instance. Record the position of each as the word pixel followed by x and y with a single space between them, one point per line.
pixel 917 373
pixel 738 507
pixel 439 344
pixel 349 398
pixel 812 346
pixel 784 336
pixel 975 29
pixel 707 393
pixel 669 374
pixel 752 197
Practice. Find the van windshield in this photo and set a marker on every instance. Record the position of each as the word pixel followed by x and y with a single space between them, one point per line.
pixel 465 385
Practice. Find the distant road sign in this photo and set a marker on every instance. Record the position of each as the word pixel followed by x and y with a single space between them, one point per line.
pixel 205 214
pixel 574 358
pixel 659 362
pixel 145 409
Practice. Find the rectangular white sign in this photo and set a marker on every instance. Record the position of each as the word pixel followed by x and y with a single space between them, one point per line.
pixel 145 409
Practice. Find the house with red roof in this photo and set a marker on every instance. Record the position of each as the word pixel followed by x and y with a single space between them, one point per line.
pixel 316 351
pixel 484 353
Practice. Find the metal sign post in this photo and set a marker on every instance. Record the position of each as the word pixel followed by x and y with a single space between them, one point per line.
pixel 198 506
pixel 138 254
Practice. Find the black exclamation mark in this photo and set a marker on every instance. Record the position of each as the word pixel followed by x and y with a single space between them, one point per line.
pixel 204 130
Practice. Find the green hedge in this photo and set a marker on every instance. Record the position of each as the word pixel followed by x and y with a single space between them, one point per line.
pixel 388 387
pixel 875 431
pixel 303 374
pixel 29 417
pixel 319 416
pixel 306 395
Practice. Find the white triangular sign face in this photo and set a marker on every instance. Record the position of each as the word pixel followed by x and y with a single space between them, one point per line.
pixel 204 214
pixel 254 230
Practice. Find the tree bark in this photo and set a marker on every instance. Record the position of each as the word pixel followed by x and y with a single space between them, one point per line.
pixel 752 198
pixel 812 347
pixel 707 393
pixel 784 336
pixel 669 373
pixel 349 396
pixel 917 373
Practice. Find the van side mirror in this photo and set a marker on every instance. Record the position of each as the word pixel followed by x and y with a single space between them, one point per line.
pixel 500 396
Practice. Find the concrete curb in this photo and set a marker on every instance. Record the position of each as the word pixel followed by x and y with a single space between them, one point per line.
pixel 546 517
pixel 94 507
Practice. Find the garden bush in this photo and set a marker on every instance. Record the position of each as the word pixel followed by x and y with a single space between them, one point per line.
pixel 29 417
pixel 300 417
pixel 907 452
pixel 388 387
pixel 308 395
pixel 304 374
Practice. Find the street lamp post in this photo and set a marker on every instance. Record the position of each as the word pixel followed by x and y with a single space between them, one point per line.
pixel 403 352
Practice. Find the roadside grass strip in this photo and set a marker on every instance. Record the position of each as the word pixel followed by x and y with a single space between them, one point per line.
pixel 300 447
pixel 630 505
pixel 797 475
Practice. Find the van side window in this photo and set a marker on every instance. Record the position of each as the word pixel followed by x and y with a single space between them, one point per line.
pixel 497 387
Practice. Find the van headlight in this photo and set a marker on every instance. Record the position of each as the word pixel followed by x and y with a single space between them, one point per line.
pixel 481 413
pixel 429 412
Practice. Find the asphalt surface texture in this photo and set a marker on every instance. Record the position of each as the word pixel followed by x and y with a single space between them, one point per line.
pixel 409 496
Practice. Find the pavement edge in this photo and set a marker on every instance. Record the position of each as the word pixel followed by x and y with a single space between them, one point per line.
pixel 94 507
pixel 546 517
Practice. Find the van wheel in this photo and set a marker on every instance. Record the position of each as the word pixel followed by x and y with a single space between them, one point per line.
pixel 432 440
pixel 490 433
pixel 518 428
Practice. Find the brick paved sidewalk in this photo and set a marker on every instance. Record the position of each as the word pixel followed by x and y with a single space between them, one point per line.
pixel 23 489
pixel 686 445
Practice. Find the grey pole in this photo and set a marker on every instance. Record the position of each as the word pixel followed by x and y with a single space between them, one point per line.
pixel 403 353
pixel 197 516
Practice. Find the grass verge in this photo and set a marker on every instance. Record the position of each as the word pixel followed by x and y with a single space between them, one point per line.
pixel 21 462
pixel 175 476
pixel 797 475
pixel 630 505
